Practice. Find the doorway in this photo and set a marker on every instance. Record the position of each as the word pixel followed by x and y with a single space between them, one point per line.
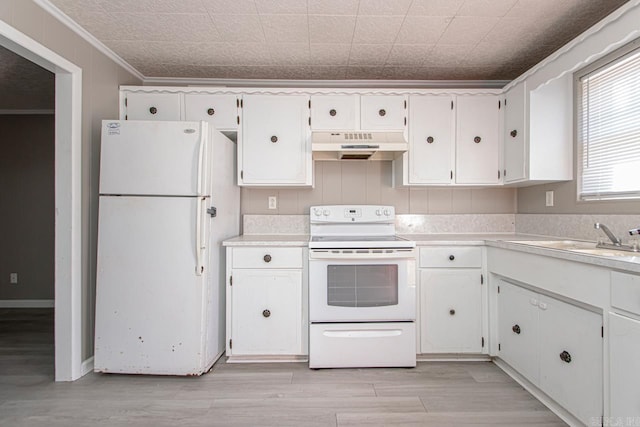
pixel 68 194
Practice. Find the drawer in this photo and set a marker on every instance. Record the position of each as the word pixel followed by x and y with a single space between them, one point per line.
pixel 625 291
pixel 267 257
pixel 450 257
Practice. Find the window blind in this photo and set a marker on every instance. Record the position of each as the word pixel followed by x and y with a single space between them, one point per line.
pixel 609 130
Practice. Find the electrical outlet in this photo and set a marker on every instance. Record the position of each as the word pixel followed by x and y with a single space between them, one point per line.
pixel 13 278
pixel 549 198
pixel 273 202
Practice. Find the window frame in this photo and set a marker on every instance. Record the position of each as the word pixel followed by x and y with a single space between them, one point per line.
pixel 609 59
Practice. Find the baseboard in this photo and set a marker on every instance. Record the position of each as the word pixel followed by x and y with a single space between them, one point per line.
pixel 452 357
pixel 87 366
pixel 27 303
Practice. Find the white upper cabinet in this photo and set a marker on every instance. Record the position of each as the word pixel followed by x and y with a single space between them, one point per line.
pixel 538 132
pixel 514 134
pixel 275 142
pixel 335 112
pixel 383 112
pixel 219 110
pixel 153 106
pixel 478 139
pixel 431 139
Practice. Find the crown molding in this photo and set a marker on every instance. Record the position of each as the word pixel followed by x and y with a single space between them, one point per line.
pixel 88 37
pixel 369 84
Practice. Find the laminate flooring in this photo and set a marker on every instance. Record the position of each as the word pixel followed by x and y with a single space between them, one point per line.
pixel 252 394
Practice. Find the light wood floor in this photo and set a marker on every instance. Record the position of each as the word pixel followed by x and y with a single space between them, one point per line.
pixel 284 394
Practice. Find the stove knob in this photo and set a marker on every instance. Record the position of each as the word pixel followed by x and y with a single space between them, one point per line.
pixel 326 212
pixel 387 212
pixel 378 212
pixel 317 212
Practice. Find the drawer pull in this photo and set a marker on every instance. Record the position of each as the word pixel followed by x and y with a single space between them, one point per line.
pixel 382 113
pixel 451 257
pixel 565 356
pixel 430 140
pixel 516 329
pixel 513 133
pixel 477 140
pixel 266 313
pixel 267 258
pixel 274 139
pixel 452 312
pixel 332 112
pixel 153 110
pixel 211 111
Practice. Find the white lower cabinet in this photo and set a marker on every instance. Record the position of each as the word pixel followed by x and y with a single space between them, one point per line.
pixel 555 345
pixel 451 288
pixel 266 309
pixel 624 359
pixel 266 312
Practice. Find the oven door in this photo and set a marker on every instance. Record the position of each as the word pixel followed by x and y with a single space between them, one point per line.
pixel 362 285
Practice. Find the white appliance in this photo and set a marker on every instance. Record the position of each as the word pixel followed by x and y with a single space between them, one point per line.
pixel 160 267
pixel 362 289
pixel 358 145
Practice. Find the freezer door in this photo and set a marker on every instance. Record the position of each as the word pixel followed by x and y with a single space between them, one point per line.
pixel 151 300
pixel 154 158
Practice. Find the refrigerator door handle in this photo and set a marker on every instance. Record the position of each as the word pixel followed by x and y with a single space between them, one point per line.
pixel 201 153
pixel 199 239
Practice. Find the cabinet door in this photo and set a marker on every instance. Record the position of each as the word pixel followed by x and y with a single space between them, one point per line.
pixel 624 348
pixel 478 140
pixel 571 357
pixel 266 312
pixel 431 133
pixel 383 112
pixel 451 311
pixel 518 329
pixel 275 140
pixel 514 134
pixel 153 106
pixel 335 112
pixel 219 110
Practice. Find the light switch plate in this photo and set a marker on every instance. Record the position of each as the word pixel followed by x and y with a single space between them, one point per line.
pixel 273 202
pixel 549 198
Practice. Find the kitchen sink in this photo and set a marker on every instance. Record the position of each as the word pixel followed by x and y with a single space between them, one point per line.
pixel 581 247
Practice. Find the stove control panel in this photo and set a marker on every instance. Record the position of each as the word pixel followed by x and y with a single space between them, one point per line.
pixel 352 213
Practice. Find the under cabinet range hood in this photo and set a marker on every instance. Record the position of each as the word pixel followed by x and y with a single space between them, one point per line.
pixel 358 145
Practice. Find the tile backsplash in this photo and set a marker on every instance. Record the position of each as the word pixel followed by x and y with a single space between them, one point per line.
pixel 369 182
pixel 576 226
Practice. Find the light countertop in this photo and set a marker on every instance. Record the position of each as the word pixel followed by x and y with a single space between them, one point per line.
pixel 629 263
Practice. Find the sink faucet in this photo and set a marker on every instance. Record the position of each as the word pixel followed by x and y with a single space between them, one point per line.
pixel 608 232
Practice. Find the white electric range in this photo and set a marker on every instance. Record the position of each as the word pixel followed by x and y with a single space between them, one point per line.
pixel 362 289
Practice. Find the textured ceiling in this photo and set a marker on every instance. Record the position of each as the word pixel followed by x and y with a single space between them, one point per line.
pixel 23 84
pixel 336 39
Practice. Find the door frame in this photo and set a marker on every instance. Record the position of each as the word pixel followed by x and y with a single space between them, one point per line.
pixel 68 197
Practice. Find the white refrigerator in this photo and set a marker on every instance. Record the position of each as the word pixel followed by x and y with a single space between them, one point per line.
pixel 160 268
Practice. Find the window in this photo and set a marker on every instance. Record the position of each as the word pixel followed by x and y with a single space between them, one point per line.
pixel 609 129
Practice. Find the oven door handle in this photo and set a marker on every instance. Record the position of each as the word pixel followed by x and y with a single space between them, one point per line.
pixel 361 256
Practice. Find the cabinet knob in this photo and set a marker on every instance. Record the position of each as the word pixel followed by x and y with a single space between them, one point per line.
pixel 452 312
pixel 211 111
pixel 516 329
pixel 477 140
pixel 382 112
pixel 451 257
pixel 565 357
pixel 266 313
pixel 153 110
pixel 267 258
pixel 274 138
pixel 513 133
pixel 430 140
pixel 332 112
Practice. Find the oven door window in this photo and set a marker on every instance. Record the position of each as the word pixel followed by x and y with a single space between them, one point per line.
pixel 362 285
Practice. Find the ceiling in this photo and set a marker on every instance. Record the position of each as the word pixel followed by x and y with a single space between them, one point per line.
pixel 335 39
